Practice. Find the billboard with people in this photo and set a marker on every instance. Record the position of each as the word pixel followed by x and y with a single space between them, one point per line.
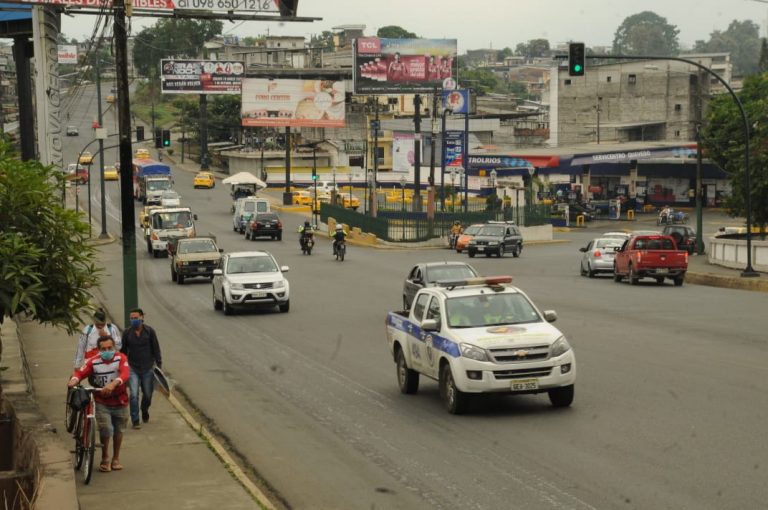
pixel 395 66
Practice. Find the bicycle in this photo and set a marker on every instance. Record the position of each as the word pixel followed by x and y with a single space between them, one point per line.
pixel 81 422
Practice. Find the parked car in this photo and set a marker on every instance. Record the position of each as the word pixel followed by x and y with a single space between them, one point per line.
pixel 250 279
pixel 598 256
pixel 427 274
pixel 111 173
pixel 194 256
pixel 463 241
pixel 204 180
pixel 72 131
pixel 264 224
pixel 684 236
pixel 498 238
pixel 86 158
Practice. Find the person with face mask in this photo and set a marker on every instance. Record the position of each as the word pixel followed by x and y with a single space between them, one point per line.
pixel 143 350
pixel 86 343
pixel 108 371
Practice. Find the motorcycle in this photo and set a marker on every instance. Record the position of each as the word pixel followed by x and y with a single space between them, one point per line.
pixel 339 250
pixel 307 242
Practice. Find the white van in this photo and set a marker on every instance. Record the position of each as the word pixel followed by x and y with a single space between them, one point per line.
pixel 245 208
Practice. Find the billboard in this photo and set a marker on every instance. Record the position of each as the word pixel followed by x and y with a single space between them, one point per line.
pixel 67 53
pixel 269 6
pixel 394 66
pixel 453 142
pixel 200 76
pixel 403 152
pixel 292 103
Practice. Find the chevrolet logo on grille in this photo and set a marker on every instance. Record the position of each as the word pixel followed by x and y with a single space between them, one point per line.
pixel 258 285
pixel 521 353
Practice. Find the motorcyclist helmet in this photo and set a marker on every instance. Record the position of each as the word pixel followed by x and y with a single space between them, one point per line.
pixel 339 226
pixel 306 224
pixel 457 222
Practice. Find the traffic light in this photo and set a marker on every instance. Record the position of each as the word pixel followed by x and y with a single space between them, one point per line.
pixel 576 59
pixel 166 138
pixel 288 7
pixel 314 174
pixel 158 138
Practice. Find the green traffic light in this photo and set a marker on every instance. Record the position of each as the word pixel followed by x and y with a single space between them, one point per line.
pixel 577 68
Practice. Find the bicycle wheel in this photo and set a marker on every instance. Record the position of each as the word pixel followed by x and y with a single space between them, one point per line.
pixel 79 444
pixel 90 449
pixel 71 416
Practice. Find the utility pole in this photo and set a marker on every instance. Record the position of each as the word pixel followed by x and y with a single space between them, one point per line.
pixel 374 204
pixel 417 153
pixel 203 132
pixel 103 234
pixel 698 190
pixel 287 199
pixel 130 287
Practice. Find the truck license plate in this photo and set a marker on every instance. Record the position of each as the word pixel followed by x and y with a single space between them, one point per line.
pixel 661 271
pixel 525 384
pixel 480 248
pixel 258 294
pixel 201 270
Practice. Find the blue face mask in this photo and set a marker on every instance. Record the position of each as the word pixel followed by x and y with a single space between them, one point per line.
pixel 107 355
pixel 136 322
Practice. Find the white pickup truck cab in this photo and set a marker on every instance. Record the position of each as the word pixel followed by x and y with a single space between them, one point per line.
pixel 480 335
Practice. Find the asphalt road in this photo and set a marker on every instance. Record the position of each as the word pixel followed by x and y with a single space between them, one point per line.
pixel 670 403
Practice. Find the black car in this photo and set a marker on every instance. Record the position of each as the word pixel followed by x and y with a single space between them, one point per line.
pixel 426 274
pixel 497 238
pixel 684 236
pixel 264 225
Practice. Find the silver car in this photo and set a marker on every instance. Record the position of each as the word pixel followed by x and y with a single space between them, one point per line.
pixel 250 279
pixel 598 256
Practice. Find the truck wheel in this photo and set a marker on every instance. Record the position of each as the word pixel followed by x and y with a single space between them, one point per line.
pixel 216 302
pixel 180 279
pixel 660 280
pixel 590 273
pixel 616 275
pixel 471 254
pixel 633 278
pixel 155 253
pixel 173 275
pixel 561 397
pixel 149 247
pixel 516 251
pixel 679 281
pixel 500 253
pixel 285 307
pixel 407 379
pixel 456 401
pixel 225 306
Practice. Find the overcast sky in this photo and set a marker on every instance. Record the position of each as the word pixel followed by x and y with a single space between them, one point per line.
pixel 492 23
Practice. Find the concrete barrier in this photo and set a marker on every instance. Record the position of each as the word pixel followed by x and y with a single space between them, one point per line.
pixel 733 253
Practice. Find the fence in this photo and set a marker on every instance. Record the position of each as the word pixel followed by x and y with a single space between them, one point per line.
pixel 406 226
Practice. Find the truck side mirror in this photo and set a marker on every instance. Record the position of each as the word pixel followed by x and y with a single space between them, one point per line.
pixel 194 217
pixel 430 325
pixel 550 315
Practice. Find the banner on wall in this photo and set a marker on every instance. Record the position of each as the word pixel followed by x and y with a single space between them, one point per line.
pixel 292 103
pixel 403 154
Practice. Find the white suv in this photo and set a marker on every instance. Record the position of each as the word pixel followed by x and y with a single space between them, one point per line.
pixel 250 279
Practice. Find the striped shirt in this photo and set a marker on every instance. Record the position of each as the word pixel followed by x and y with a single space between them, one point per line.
pixel 102 373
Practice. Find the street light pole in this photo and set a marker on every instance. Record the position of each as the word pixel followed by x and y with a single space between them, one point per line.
pixel 103 234
pixel 442 159
pixel 403 180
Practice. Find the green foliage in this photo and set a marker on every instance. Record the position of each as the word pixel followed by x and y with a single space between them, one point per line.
pixel 741 40
pixel 252 41
pixel 482 80
pixel 533 48
pixel 506 52
pixel 646 33
pixel 171 37
pixel 395 32
pixel 763 64
pixel 47 263
pixel 723 142
pixel 323 40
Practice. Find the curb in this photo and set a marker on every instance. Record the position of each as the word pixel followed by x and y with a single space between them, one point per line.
pixel 727 282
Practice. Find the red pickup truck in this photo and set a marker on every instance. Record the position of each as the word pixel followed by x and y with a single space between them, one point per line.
pixel 650 257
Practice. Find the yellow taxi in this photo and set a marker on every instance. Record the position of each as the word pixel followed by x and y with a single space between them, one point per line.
pixel 144 215
pixel 302 197
pixel 86 158
pixel 141 154
pixel 396 197
pixel 348 202
pixel 111 173
pixel 110 98
pixel 204 180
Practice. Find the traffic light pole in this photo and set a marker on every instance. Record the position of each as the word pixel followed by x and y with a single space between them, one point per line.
pixel 103 234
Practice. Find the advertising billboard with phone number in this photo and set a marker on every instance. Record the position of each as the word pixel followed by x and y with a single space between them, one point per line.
pixel 395 66
pixel 200 76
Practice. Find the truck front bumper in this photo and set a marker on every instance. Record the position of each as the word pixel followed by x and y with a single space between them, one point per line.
pixel 524 377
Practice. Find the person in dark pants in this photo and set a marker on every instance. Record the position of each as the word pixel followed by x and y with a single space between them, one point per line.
pixel 143 350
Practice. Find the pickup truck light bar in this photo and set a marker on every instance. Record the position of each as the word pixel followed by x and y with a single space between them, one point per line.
pixel 491 281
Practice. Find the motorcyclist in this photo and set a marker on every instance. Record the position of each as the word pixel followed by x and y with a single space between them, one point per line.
pixel 305 232
pixel 338 236
pixel 665 216
pixel 456 231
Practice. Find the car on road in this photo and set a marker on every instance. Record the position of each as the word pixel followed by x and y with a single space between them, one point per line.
pixel 264 225
pixel 496 238
pixel 598 256
pixel 77 173
pixel 617 235
pixel 86 158
pixel 684 236
pixel 141 154
pixel 111 173
pixel 170 198
pixel 644 233
pixel 204 180
pixel 427 274
pixel 302 197
pixel 250 279
pixel 193 257
pixel 72 131
pixel 463 241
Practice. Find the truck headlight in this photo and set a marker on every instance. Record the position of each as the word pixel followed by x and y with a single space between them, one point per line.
pixel 236 286
pixel 560 347
pixel 493 243
pixel 279 285
pixel 183 262
pixel 473 352
pixel 473 242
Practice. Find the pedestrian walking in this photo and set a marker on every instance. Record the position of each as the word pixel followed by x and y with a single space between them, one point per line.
pixel 86 343
pixel 143 350
pixel 108 371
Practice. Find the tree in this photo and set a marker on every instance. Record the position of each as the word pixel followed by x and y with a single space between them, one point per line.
pixel 482 80
pixel 503 54
pixel 741 40
pixel 533 48
pixel 322 40
pixel 763 64
pixel 395 32
pixel 48 266
pixel 646 33
pixel 723 141
pixel 252 41
pixel 170 37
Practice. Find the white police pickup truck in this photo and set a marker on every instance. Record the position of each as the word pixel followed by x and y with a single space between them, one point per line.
pixel 480 335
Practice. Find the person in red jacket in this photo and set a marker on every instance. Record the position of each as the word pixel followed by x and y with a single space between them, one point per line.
pixel 108 371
